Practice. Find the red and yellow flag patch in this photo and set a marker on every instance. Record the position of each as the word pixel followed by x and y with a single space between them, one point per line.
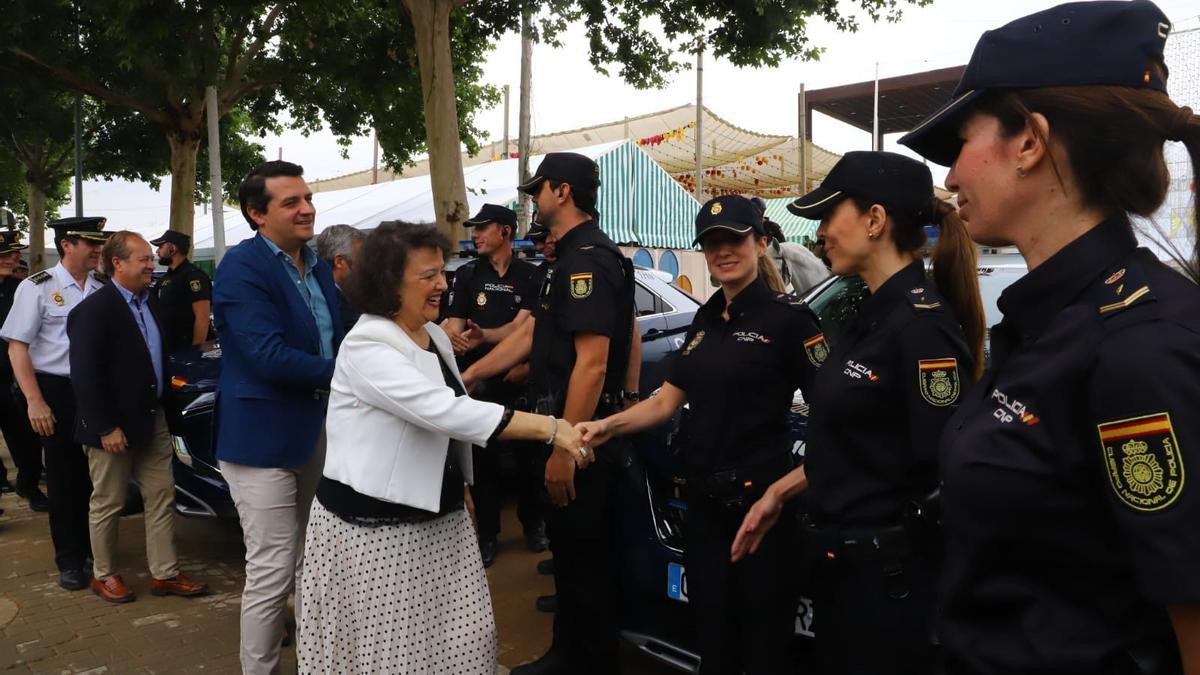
pixel 1143 462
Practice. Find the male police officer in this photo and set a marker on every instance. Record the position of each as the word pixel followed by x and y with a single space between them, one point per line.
pixel 36 331
pixel 581 339
pixel 184 295
pixel 23 444
pixel 492 295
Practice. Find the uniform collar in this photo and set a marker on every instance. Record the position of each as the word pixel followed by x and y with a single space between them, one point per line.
pixel 1032 301
pixel 572 239
pixel 66 280
pixel 182 267
pixel 750 297
pixel 893 290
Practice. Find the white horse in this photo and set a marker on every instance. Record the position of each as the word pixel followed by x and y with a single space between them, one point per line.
pixel 798 265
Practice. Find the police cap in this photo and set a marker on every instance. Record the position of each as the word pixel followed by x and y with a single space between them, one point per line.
pixel 537 232
pixel 174 237
pixel 899 183
pixel 491 213
pixel 82 227
pixel 572 168
pixel 728 212
pixel 10 240
pixel 1108 42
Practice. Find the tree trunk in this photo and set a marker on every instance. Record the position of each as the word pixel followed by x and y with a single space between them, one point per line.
pixel 431 23
pixel 184 147
pixel 37 227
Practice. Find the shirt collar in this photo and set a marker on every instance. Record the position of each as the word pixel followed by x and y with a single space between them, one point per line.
pixel 893 290
pixel 1033 300
pixel 128 294
pixel 310 256
pixel 750 297
pixel 65 279
pixel 566 242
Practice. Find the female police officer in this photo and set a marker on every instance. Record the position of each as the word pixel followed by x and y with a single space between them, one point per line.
pixel 747 351
pixel 1070 524
pixel 880 403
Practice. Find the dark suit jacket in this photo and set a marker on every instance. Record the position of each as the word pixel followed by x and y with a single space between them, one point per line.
pixel 274 383
pixel 349 314
pixel 111 371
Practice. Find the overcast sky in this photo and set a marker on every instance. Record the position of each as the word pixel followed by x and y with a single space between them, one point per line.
pixel 568 93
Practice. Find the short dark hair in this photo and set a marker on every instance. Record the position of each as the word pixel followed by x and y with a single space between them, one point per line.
pixel 374 283
pixel 117 246
pixel 252 193
pixel 584 200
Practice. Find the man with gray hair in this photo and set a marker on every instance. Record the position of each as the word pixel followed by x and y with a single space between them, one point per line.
pixel 338 245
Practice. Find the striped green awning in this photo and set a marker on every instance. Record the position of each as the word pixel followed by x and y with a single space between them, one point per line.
pixel 640 203
pixel 794 227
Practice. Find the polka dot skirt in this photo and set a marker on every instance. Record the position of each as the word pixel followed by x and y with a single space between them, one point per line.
pixel 410 598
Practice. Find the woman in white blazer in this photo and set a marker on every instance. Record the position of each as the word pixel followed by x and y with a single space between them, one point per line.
pixel 393 581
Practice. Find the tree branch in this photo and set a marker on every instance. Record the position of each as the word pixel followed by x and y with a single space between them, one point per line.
pixel 238 71
pixel 91 88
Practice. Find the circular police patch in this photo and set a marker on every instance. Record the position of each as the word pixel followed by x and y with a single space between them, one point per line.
pixel 194 284
pixel 1141 455
pixel 581 285
pixel 939 381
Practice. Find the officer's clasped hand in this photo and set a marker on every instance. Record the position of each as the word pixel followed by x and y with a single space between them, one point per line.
pixel 594 433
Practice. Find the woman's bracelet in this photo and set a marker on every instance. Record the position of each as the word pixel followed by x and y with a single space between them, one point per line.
pixel 553 432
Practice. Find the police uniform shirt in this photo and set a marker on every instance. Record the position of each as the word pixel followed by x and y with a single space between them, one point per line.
pixel 1070 522
pixel 585 291
pixel 39 316
pixel 8 290
pixel 177 291
pixel 490 300
pixel 880 404
pixel 740 376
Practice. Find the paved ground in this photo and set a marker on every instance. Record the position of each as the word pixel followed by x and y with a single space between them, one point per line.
pixel 44 629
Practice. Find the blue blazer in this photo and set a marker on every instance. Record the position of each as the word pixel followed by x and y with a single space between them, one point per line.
pixel 274 383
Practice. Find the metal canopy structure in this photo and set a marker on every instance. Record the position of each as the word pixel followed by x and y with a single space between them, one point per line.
pixel 903 101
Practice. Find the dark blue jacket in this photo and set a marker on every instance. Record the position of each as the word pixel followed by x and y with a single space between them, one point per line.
pixel 274 383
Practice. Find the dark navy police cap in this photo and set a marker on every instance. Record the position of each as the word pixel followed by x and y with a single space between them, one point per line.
pixel 1106 42
pixel 173 236
pixel 899 183
pixel 491 213
pixel 83 227
pixel 572 168
pixel 728 212
pixel 10 240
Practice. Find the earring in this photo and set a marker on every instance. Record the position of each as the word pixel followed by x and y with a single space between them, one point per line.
pixel 873 235
pixel 1020 171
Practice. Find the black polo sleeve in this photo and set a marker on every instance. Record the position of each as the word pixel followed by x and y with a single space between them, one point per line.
pixel 199 286
pixel 460 292
pixel 1144 439
pixel 805 347
pixel 681 371
pixel 935 368
pixel 528 287
pixel 588 291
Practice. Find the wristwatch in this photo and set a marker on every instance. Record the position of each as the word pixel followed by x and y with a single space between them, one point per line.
pixel 632 396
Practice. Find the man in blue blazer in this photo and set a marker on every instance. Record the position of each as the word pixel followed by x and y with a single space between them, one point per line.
pixel 277 317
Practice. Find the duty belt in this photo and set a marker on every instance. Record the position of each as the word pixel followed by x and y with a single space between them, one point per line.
pixel 738 486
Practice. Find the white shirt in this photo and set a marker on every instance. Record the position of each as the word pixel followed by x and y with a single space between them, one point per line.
pixel 39 316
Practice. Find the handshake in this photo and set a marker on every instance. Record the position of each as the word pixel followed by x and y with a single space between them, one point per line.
pixel 572 450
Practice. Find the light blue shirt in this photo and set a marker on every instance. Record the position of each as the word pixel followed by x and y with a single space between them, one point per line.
pixel 149 328
pixel 310 292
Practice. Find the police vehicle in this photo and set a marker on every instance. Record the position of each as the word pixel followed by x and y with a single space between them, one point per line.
pixel 656 618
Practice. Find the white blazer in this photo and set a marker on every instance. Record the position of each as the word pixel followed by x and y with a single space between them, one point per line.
pixel 392 418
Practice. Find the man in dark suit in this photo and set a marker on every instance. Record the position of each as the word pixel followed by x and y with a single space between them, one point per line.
pixel 277 316
pixel 117 359
pixel 338 246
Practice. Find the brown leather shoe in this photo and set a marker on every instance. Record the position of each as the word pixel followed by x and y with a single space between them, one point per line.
pixel 178 585
pixel 113 589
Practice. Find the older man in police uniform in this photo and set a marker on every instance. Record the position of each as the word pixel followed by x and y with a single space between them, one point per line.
pixel 579 342
pixel 36 331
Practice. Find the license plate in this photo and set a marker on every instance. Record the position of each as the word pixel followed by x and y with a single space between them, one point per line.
pixel 677 582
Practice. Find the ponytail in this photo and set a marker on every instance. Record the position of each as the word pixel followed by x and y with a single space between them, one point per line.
pixel 768 272
pixel 957 279
pixel 1185 128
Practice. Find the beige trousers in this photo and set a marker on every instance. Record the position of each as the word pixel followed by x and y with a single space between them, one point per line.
pixel 150 465
pixel 273 507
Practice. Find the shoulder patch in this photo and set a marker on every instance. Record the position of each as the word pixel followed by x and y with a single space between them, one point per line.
pixel 41 277
pixel 581 285
pixel 194 284
pixel 1143 461
pixel 816 349
pixel 938 380
pixel 922 299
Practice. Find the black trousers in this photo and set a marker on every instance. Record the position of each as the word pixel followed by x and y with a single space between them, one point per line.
pixel 487 490
pixel 864 628
pixel 68 481
pixel 23 443
pixel 745 613
pixel 583 541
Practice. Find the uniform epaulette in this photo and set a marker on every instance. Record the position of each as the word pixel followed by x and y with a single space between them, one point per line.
pixel 923 299
pixel 41 277
pixel 100 276
pixel 1122 287
pixel 789 299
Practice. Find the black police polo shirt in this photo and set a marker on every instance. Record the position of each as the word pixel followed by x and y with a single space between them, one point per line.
pixel 176 292
pixel 582 292
pixel 490 300
pixel 1070 523
pixel 880 402
pixel 8 290
pixel 740 375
